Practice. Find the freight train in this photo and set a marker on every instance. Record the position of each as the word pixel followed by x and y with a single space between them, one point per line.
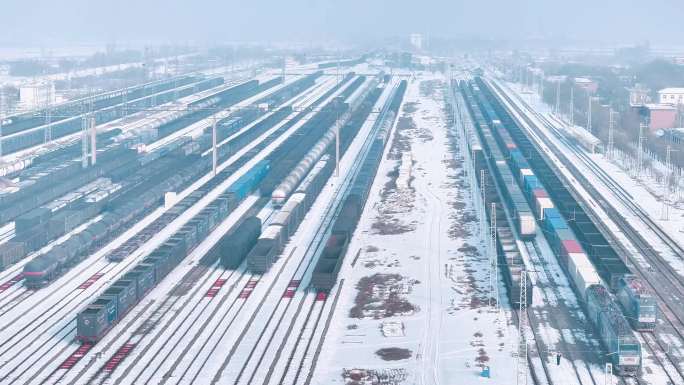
pixel 330 261
pixel 639 305
pixel 18 123
pixel 156 179
pixel 492 162
pixel 571 256
pixel 312 176
pixel 36 136
pixel 114 303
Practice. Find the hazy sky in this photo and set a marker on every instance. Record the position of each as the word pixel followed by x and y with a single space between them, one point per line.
pixel 56 21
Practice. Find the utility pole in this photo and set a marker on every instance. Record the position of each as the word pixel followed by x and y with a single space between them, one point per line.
pixel 640 149
pixel 558 87
pixel 589 114
pixel 665 211
pixel 521 362
pixel 572 105
pixel 84 141
pixel 611 138
pixel 93 141
pixel 48 120
pixel 2 114
pixel 493 267
pixel 214 153
pixel 337 144
pixel 608 375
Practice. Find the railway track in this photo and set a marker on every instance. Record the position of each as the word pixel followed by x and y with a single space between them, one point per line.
pixel 132 344
pixel 63 332
pixel 547 277
pixel 469 167
pixel 249 372
pixel 673 310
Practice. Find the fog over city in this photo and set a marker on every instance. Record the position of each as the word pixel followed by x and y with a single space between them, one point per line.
pixel 605 21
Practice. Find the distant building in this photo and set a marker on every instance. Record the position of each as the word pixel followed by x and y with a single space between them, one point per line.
pixel 660 116
pixel 639 95
pixel 36 95
pixel 672 96
pixel 587 85
pixel 416 40
pixel 405 60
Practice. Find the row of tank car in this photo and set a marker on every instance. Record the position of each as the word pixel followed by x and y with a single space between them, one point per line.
pixel 274 237
pixel 36 136
pixel 612 326
pixel 248 241
pixel 493 162
pixel 298 190
pixel 112 305
pixel 330 261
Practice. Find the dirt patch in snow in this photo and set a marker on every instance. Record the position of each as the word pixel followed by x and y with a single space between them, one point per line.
pixel 395 202
pixel 428 87
pixel 392 376
pixel 394 354
pixel 383 295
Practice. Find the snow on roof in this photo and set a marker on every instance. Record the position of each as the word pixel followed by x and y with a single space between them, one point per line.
pixel 656 106
pixel 672 90
pixel 583 80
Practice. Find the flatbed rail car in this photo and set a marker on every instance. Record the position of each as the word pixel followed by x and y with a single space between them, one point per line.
pixel 581 272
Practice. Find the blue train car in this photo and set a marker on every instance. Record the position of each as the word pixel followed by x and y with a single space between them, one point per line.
pixel 638 303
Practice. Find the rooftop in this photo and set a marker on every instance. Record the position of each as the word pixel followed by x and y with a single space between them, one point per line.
pixel 672 90
pixel 657 106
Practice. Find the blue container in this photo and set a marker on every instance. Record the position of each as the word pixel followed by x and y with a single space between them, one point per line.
pixel 555 224
pixel 531 183
pixel 551 213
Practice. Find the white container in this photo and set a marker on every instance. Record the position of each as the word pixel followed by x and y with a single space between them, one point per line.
pixel 543 203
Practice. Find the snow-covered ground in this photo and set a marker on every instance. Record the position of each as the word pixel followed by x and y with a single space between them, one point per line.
pixel 416 267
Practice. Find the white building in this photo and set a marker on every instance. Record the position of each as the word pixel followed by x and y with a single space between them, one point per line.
pixel 36 95
pixel 638 96
pixel 416 40
pixel 672 96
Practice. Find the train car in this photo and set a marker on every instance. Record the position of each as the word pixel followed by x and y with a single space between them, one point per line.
pixel 10 252
pixel 330 261
pixel 512 264
pixel 265 252
pixel 579 256
pixel 617 337
pixel 95 320
pixel 638 303
pixel 234 246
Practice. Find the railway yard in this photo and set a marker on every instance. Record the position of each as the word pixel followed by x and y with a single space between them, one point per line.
pixel 343 222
